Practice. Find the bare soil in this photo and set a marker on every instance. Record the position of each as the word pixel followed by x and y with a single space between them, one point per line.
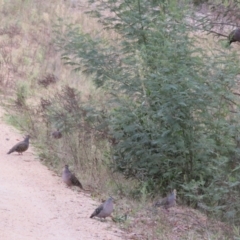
pixel 35 204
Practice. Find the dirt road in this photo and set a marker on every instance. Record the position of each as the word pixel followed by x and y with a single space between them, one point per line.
pixel 35 204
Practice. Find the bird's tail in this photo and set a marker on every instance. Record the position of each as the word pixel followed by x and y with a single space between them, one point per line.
pixel 228 44
pixel 10 151
pixel 158 204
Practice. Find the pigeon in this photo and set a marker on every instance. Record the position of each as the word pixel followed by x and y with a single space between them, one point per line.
pixel 234 36
pixel 169 201
pixel 21 146
pixel 104 210
pixel 57 134
pixel 70 179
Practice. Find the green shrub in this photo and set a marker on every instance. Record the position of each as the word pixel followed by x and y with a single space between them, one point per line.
pixel 172 113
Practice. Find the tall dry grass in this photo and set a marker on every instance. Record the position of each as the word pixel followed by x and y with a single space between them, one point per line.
pixel 28 58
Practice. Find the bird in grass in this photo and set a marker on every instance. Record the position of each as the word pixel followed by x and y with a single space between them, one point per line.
pixel 21 146
pixel 104 210
pixel 169 201
pixel 57 134
pixel 234 36
pixel 70 179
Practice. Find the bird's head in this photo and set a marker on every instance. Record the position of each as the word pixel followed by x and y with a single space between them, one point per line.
pixel 111 198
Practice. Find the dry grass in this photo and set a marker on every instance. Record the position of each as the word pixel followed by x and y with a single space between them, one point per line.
pixel 147 222
pixel 31 67
pixel 26 48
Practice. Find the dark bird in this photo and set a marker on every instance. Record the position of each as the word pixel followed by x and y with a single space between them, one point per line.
pixel 169 201
pixel 234 36
pixel 21 146
pixel 70 179
pixel 104 210
pixel 57 134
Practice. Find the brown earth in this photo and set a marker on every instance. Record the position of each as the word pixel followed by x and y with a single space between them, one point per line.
pixel 35 204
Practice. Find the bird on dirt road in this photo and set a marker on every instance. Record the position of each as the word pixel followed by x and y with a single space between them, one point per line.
pixel 57 134
pixel 104 210
pixel 70 179
pixel 169 201
pixel 234 36
pixel 21 146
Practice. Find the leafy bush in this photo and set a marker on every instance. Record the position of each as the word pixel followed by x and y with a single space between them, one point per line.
pixel 173 112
